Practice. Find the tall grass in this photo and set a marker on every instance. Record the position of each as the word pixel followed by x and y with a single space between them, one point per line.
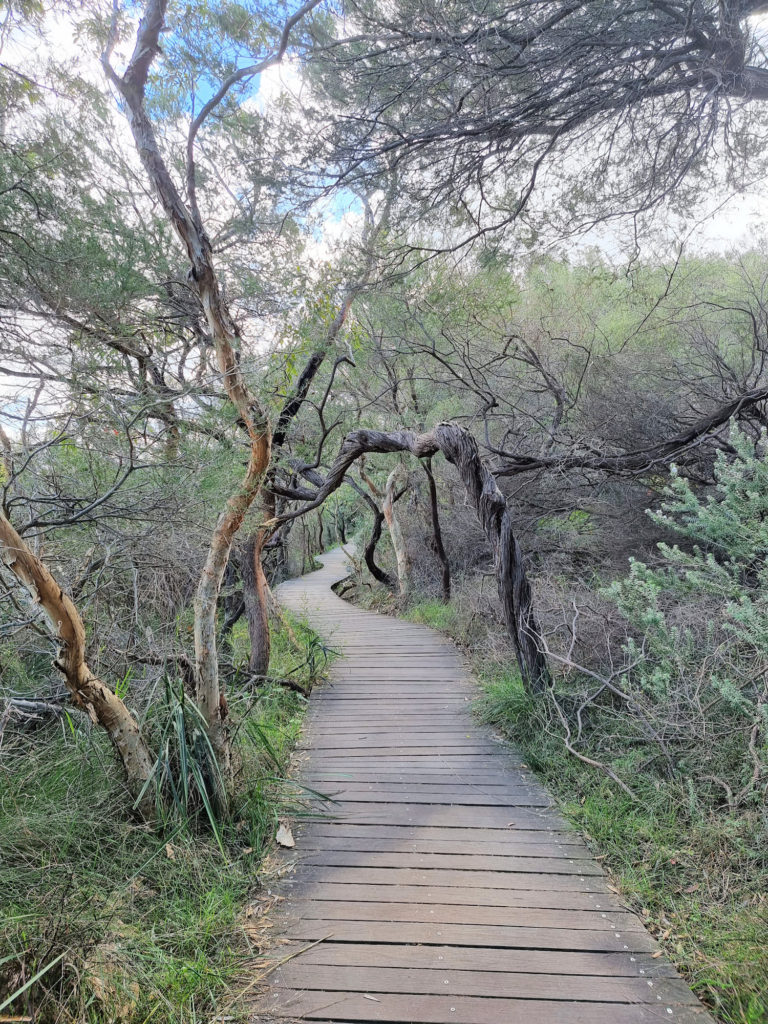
pixel 121 922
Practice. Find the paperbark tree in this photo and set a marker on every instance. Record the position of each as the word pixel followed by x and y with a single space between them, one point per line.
pixel 186 220
pixel 644 93
pixel 460 449
pixel 395 486
pixel 369 552
pixel 437 533
pixel 255 586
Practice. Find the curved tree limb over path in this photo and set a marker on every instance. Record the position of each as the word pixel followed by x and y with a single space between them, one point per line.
pixel 460 449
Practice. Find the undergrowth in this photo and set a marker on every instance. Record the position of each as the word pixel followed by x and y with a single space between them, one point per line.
pixel 696 873
pixel 133 923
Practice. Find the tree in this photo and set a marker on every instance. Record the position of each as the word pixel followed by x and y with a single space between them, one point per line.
pixel 187 221
pixel 460 448
pixel 88 692
pixel 331 318
pixel 477 105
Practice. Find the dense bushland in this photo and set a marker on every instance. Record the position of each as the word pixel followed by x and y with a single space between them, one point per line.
pixel 584 387
pixel 201 390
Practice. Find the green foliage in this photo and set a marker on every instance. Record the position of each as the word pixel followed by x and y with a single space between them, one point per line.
pixel 186 778
pixel 721 663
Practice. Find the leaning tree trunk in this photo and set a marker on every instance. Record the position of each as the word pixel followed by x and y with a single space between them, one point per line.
pixel 369 554
pixel 392 491
pixel 460 448
pixel 88 692
pixel 437 534
pixel 210 698
pixel 514 587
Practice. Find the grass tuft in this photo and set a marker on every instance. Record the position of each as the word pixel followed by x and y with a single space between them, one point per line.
pixel 696 875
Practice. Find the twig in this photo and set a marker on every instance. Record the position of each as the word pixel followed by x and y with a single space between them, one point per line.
pixel 268 970
pixel 583 757
pixel 289 684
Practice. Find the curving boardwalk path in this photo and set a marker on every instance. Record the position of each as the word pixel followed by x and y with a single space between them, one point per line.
pixel 442 885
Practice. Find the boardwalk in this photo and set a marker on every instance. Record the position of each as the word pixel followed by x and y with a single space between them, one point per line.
pixel 442 885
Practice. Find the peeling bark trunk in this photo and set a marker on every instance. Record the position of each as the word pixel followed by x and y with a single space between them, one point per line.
pixel 460 448
pixel 370 552
pixel 255 593
pixel 395 483
pixel 210 699
pixel 89 693
pixel 437 533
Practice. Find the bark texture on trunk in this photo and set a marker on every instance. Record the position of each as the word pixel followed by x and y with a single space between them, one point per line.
pixel 396 482
pixel 369 554
pixel 88 692
pixel 255 586
pixel 255 594
pixel 437 534
pixel 210 699
pixel 460 448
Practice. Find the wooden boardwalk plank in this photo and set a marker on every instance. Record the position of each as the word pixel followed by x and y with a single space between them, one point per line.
pixel 302 888
pixel 466 958
pixel 348 1007
pixel 480 983
pixel 432 881
pixel 456 862
pixel 447 913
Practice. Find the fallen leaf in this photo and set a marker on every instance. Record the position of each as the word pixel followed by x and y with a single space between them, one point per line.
pixel 169 852
pixel 284 836
pixel 692 888
pixel 656 955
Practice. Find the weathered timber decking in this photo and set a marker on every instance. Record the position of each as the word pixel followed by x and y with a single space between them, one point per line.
pixel 444 887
